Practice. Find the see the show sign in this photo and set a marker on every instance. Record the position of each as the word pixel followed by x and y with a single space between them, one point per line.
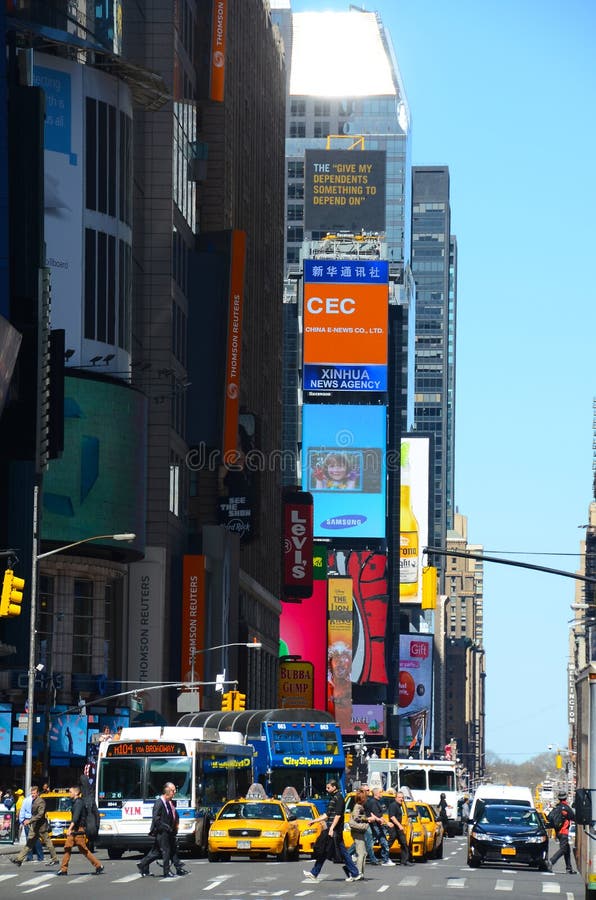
pixel 344 190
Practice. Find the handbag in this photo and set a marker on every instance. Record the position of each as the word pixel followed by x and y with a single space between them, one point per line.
pixel 357 825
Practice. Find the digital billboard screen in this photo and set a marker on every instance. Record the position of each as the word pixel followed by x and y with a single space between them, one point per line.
pixel 303 634
pixel 344 190
pixel 345 324
pixel 343 465
pixel 414 514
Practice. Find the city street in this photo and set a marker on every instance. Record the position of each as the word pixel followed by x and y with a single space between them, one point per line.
pixel 245 878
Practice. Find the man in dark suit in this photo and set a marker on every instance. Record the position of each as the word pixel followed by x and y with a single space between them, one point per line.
pixel 164 826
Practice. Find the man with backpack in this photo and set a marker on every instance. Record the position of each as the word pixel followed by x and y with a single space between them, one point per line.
pixel 560 818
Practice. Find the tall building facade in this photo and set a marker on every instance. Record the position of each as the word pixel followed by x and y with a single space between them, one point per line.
pixel 434 267
pixel 346 96
pixel 460 689
pixel 163 221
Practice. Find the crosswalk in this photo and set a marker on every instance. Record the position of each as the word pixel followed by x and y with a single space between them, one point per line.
pixel 215 884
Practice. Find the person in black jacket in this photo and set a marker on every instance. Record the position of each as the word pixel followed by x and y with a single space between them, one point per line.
pixel 75 836
pixel 164 826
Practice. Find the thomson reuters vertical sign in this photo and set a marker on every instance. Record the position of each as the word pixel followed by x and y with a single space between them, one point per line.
pixel 193 618
pixel 218 50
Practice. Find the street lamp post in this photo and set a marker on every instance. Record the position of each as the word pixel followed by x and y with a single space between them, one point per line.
pixel 128 536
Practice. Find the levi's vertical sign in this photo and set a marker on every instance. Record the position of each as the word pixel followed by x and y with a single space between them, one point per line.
pixel 298 545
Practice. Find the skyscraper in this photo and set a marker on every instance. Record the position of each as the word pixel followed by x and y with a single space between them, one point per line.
pixel 434 267
pixel 345 94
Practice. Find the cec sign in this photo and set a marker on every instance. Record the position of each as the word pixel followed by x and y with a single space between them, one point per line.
pixel 345 325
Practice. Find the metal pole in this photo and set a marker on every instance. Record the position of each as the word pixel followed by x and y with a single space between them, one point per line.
pixel 32 641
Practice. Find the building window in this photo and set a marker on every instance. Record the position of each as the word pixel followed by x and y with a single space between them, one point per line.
pixel 175 487
pixel 321 129
pixel 82 627
pixel 295 169
pixel 297 129
pixel 298 108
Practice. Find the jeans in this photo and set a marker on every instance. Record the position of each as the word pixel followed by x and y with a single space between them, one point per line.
pixel 378 834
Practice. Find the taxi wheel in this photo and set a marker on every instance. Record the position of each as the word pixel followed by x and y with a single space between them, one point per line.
pixel 439 851
pixel 115 854
pixel 474 862
pixel 284 855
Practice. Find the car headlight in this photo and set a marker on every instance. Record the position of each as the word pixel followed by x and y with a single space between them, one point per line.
pixel 271 834
pixel 310 831
pixel 480 836
pixel 214 833
pixel 186 825
pixel 105 826
pixel 416 833
pixel 537 839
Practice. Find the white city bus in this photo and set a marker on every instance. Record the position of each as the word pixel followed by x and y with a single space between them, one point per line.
pixel 427 780
pixel 208 768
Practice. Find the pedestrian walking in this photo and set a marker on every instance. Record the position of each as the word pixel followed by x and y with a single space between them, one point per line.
pixel 75 836
pixel 442 813
pixel 25 812
pixel 358 827
pixel 560 818
pixel 396 812
pixel 465 814
pixel 164 827
pixel 376 821
pixel 335 837
pixel 38 830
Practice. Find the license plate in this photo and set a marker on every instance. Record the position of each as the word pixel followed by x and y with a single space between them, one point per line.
pixel 243 845
pixel 508 851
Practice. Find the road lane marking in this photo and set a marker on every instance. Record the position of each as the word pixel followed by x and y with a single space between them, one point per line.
pixel 456 883
pixel 504 885
pixel 551 887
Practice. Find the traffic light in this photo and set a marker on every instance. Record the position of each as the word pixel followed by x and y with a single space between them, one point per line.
pixel 390 753
pixel 383 752
pixel 12 594
pixel 239 700
pixel 349 760
pixel 227 701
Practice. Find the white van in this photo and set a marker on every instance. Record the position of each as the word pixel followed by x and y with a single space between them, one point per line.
pixel 500 793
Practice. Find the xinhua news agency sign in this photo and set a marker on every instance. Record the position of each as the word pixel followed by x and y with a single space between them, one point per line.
pixel 344 190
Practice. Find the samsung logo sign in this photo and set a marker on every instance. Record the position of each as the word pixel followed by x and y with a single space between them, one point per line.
pixel 336 523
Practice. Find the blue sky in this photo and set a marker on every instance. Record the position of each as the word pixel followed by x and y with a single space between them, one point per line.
pixel 503 93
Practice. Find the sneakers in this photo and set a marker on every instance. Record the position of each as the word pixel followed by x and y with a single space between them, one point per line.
pixel 98 870
pixel 309 875
pixel 358 877
pixel 53 862
pixel 143 870
pixel 16 862
pixel 182 871
pixel 349 878
pixel 388 862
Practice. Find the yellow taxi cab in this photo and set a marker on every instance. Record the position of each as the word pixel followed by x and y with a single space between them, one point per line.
pixel 434 830
pixel 415 834
pixel 305 812
pixel 59 814
pixel 254 826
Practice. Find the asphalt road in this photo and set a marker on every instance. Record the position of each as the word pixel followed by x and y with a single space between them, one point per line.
pixel 254 879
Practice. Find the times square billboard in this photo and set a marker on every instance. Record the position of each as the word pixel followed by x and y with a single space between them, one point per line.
pixel 344 190
pixel 345 326
pixel 344 467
